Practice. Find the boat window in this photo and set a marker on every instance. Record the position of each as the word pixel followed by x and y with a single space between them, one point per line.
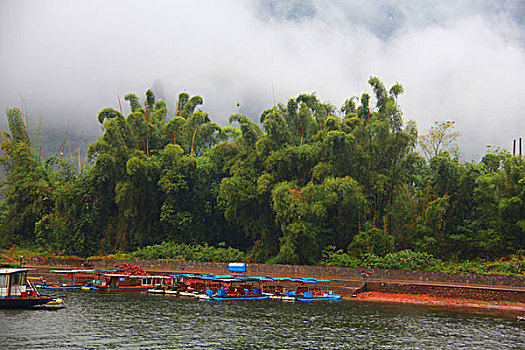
pixel 16 279
pixel 3 281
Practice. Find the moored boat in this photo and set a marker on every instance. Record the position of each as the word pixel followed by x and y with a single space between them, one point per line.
pixel 122 282
pixel 237 288
pixel 305 289
pixel 240 297
pixel 55 302
pixel 77 278
pixel 163 289
pixel 317 296
pixel 325 297
pixel 17 292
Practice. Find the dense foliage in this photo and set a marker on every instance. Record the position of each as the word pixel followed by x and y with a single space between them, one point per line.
pixel 299 186
pixel 187 252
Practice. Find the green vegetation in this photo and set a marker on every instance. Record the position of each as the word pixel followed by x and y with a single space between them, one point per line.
pixel 423 261
pixel 300 186
pixel 400 260
pixel 186 252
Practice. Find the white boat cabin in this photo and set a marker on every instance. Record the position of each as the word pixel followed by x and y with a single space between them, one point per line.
pixel 13 283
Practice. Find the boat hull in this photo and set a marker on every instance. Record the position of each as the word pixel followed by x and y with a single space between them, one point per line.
pixel 244 297
pixel 126 288
pixel 88 288
pixel 320 298
pixel 282 297
pixel 61 287
pixel 21 303
pixel 156 291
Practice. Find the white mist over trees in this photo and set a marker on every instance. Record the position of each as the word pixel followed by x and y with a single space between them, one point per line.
pixel 459 60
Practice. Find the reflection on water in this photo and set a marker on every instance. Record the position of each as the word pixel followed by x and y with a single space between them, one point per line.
pixel 94 320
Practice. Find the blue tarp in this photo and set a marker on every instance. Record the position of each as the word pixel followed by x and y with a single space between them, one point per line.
pixel 237 267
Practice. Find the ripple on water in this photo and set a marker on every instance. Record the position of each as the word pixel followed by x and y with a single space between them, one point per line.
pixel 140 321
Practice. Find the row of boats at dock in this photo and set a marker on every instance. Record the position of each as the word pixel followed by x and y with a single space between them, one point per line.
pixel 231 287
pixel 19 290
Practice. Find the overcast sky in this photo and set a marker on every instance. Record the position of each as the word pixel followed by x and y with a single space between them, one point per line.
pixel 458 60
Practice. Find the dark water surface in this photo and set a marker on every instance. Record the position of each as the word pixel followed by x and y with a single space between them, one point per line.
pixel 97 320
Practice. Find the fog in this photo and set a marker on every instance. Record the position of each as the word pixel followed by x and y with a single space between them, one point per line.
pixel 458 60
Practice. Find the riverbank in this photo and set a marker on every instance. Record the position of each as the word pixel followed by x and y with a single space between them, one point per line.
pixel 432 288
pixel 424 299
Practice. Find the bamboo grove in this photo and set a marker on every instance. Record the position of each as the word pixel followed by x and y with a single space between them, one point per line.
pixel 286 189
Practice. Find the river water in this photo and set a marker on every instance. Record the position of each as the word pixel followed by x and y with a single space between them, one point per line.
pixel 98 320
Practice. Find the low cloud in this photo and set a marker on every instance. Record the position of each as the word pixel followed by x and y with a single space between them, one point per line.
pixel 457 60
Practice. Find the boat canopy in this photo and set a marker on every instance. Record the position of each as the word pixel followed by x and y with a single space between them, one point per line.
pixel 301 279
pixel 88 271
pixel 10 271
pixel 187 275
pixel 131 276
pixel 230 278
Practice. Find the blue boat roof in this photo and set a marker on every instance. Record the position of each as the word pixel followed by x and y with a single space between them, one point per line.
pixel 260 278
pixel 189 275
pixel 251 278
pixel 301 279
pixel 88 271
pixel 208 277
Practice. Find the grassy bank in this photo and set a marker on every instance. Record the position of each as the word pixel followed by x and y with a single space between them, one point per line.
pixel 513 265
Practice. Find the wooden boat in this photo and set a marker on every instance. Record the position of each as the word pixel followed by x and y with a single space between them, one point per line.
pixel 164 290
pixel 188 294
pixel 284 296
pixel 306 289
pixel 194 285
pixel 218 287
pixel 237 288
pixel 17 292
pixel 240 297
pixel 192 293
pixel 233 293
pixel 317 296
pixel 89 287
pixel 77 278
pixel 122 282
pixel 55 287
pixel 56 301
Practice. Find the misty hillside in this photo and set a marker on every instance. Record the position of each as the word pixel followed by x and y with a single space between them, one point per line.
pixel 63 140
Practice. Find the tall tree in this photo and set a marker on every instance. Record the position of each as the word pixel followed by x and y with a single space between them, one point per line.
pixel 441 137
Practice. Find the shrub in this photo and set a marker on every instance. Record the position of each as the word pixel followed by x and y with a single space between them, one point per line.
pixel 513 265
pixel 332 257
pixel 186 252
pixel 403 260
pixel 371 241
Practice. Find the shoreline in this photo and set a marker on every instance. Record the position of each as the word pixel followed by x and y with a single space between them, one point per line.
pixel 347 281
pixel 428 300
